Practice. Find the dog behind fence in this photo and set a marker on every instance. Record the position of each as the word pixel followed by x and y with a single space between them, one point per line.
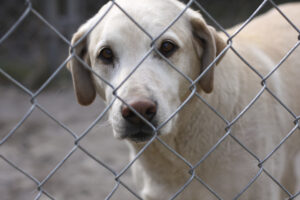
pixel 77 138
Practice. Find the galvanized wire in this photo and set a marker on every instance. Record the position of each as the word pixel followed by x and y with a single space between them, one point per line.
pixel 228 123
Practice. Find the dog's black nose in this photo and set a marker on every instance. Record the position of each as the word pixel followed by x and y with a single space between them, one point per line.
pixel 145 107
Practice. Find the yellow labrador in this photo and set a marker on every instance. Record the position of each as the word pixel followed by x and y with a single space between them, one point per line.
pixel 155 91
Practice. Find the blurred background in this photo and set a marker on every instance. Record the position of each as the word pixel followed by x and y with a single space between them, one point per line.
pixel 30 55
pixel 34 46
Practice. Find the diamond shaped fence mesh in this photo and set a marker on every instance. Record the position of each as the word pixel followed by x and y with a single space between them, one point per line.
pixel 117 182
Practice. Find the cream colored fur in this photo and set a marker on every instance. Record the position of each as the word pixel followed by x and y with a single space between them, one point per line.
pixel 229 87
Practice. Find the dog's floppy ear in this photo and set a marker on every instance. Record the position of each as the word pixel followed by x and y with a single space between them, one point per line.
pixel 212 44
pixel 82 81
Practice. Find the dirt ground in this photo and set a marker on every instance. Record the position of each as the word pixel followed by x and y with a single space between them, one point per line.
pixel 39 144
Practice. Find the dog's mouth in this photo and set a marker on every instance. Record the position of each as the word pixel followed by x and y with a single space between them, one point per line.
pixel 138 134
pixel 141 136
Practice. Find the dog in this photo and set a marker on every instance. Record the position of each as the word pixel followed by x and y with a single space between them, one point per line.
pixel 150 75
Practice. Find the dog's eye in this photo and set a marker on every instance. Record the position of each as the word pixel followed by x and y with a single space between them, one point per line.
pixel 167 48
pixel 106 55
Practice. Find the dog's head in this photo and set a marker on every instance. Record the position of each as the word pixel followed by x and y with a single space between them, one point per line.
pixel 121 52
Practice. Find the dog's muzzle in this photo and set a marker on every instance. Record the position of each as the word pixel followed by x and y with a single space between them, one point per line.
pixel 136 128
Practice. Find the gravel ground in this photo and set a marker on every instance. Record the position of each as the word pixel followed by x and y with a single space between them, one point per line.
pixel 40 144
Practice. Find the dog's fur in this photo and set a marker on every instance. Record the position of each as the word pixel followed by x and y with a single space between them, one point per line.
pixel 229 87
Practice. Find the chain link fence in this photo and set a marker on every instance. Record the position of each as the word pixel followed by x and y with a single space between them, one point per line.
pixel 117 175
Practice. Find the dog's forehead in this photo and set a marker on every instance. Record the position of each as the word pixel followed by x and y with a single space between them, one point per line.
pixel 149 8
pixel 152 16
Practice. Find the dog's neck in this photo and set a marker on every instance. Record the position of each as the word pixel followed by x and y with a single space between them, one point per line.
pixel 196 117
pixel 195 124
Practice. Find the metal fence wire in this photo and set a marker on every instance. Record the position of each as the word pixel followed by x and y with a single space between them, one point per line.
pixel 118 174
